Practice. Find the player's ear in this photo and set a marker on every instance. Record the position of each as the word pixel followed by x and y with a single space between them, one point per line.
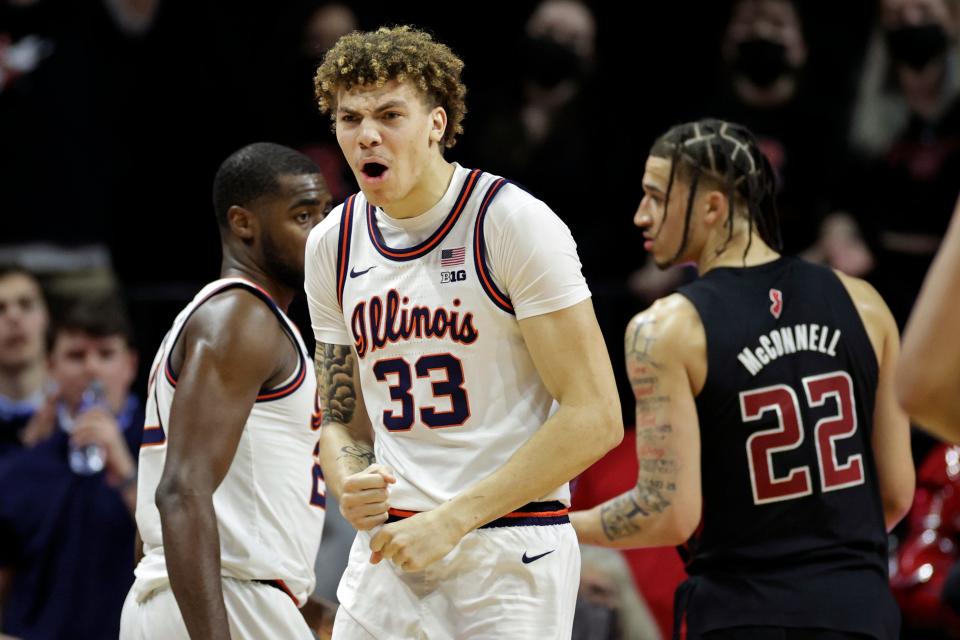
pixel 717 208
pixel 243 223
pixel 438 124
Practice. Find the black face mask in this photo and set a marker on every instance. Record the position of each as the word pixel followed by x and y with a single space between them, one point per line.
pixel 548 63
pixel 762 61
pixel 917 46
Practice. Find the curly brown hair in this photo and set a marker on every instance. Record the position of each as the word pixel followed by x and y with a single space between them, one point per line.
pixel 395 53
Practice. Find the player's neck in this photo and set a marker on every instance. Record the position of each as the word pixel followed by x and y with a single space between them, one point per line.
pixel 281 294
pixel 743 250
pixel 21 383
pixel 428 191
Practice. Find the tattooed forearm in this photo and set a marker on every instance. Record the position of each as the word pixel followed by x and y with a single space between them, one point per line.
pixel 623 516
pixel 652 494
pixel 658 468
pixel 617 517
pixel 335 382
pixel 656 486
pixel 356 457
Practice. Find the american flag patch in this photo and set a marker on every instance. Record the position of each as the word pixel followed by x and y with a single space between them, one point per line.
pixel 452 257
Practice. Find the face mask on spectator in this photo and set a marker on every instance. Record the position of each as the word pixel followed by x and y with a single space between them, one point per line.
pixel 762 61
pixel 548 62
pixel 916 46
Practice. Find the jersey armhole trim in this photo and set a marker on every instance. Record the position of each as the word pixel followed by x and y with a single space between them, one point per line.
pixel 498 297
pixel 343 246
pixel 265 395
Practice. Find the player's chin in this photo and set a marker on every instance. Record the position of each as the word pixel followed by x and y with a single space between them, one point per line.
pixel 374 196
pixel 663 263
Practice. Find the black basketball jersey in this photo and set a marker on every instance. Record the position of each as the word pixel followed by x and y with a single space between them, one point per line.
pixel 792 532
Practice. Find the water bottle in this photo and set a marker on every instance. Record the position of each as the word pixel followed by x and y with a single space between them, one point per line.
pixel 89 459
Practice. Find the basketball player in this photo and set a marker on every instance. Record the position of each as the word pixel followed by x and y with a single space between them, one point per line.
pixel 781 373
pixel 450 311
pixel 230 497
pixel 928 378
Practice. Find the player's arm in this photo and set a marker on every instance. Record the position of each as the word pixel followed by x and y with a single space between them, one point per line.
pixel 571 358
pixel 346 437
pixel 346 440
pixel 663 508
pixel 891 426
pixel 928 377
pixel 230 346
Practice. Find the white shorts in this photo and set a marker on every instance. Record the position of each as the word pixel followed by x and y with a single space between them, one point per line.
pixel 254 610
pixel 505 582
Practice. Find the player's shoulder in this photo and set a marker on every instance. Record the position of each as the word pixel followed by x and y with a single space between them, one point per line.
pixel 241 318
pixel 515 213
pixel 511 200
pixel 671 324
pixel 867 300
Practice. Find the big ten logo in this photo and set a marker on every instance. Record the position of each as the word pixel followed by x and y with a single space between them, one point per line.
pixel 453 276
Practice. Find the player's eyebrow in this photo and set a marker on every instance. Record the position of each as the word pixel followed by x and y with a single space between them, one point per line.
pixel 395 103
pixel 649 186
pixel 305 202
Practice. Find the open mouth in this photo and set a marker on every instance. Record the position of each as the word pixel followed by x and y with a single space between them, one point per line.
pixel 373 169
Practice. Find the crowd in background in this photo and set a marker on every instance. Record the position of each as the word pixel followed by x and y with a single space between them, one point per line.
pixel 114 115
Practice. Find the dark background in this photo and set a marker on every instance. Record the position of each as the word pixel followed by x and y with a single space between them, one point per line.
pixel 117 138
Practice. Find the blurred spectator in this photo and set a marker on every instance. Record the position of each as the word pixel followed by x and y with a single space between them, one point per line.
pixel 546 132
pixel 656 572
pixel 767 85
pixel 56 130
pixel 608 605
pixel 67 529
pixel 923 562
pixel 906 132
pixel 23 360
pixel 313 28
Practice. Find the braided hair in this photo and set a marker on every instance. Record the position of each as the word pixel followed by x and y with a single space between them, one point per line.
pixel 728 154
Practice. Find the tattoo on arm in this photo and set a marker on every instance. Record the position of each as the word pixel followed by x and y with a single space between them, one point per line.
pixel 617 516
pixel 638 344
pixel 357 457
pixel 656 486
pixel 338 395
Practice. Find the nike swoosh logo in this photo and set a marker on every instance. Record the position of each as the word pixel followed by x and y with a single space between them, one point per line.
pixel 354 273
pixel 528 559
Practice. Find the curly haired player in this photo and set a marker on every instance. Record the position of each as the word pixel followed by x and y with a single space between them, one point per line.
pixel 449 311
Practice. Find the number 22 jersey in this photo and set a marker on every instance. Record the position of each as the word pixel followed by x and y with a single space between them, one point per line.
pixel 431 305
pixel 792 532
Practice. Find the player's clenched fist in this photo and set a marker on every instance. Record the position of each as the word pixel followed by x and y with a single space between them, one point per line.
pixel 417 542
pixel 363 501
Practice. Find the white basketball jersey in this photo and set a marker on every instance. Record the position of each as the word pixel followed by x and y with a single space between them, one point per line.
pixel 270 505
pixel 448 383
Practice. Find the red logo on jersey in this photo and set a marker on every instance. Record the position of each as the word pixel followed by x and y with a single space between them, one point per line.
pixel 776 298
